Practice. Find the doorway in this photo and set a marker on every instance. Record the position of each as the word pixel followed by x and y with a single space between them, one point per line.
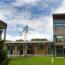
pixel 30 49
pixel 59 51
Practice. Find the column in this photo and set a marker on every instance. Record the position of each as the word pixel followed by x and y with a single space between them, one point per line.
pixel 55 51
pixel 63 50
pixel 4 34
pixel 15 50
pixel 46 48
pixel 4 37
pixel 36 49
pixel 25 49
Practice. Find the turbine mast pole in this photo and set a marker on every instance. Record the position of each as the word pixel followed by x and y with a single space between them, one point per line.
pixel 26 29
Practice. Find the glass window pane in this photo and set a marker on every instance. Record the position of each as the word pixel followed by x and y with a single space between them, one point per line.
pixel 59 38
pixel 1 34
pixel 59 23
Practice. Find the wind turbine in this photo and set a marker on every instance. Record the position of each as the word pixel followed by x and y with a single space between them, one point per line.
pixel 25 31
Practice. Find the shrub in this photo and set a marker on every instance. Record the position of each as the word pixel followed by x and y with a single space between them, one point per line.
pixel 3 53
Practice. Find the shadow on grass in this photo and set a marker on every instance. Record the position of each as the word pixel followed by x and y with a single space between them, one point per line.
pixel 6 62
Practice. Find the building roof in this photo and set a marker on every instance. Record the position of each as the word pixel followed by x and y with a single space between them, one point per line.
pixel 59 16
pixel 28 42
pixel 3 24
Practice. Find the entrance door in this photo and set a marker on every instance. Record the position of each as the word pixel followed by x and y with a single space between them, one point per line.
pixel 64 51
pixel 30 49
pixel 21 52
pixel 59 51
pixel 10 49
pixel 20 49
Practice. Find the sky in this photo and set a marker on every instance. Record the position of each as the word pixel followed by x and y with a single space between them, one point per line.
pixel 37 14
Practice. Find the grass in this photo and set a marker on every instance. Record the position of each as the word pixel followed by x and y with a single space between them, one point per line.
pixel 36 60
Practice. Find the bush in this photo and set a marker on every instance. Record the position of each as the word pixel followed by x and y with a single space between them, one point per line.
pixel 3 53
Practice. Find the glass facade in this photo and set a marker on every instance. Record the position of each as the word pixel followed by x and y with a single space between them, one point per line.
pixel 59 38
pixel 59 24
pixel 2 34
pixel 59 51
pixel 59 34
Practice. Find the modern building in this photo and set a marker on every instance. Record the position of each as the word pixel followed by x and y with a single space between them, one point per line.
pixel 59 34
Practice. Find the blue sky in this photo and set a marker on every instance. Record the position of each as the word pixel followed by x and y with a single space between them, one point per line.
pixel 37 14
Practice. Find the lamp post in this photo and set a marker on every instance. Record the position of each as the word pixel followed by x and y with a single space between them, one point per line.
pixel 52 58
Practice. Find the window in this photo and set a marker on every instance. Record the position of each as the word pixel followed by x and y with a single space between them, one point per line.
pixel 59 51
pixel 0 33
pixel 41 46
pixel 59 24
pixel 30 47
pixel 10 49
pixel 59 38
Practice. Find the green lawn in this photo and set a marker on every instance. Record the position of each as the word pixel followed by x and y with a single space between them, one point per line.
pixel 36 60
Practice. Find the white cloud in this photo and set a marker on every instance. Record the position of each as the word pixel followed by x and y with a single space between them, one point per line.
pixel 26 1
pixel 29 37
pixel 37 24
pixel 9 37
pixel 43 24
pixel 6 11
pixel 13 38
pixel 61 8
pixel 1 16
pixel 21 2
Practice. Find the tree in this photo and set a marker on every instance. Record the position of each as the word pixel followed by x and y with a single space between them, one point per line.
pixel 3 53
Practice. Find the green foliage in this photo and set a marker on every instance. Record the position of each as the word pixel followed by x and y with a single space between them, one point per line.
pixel 3 53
